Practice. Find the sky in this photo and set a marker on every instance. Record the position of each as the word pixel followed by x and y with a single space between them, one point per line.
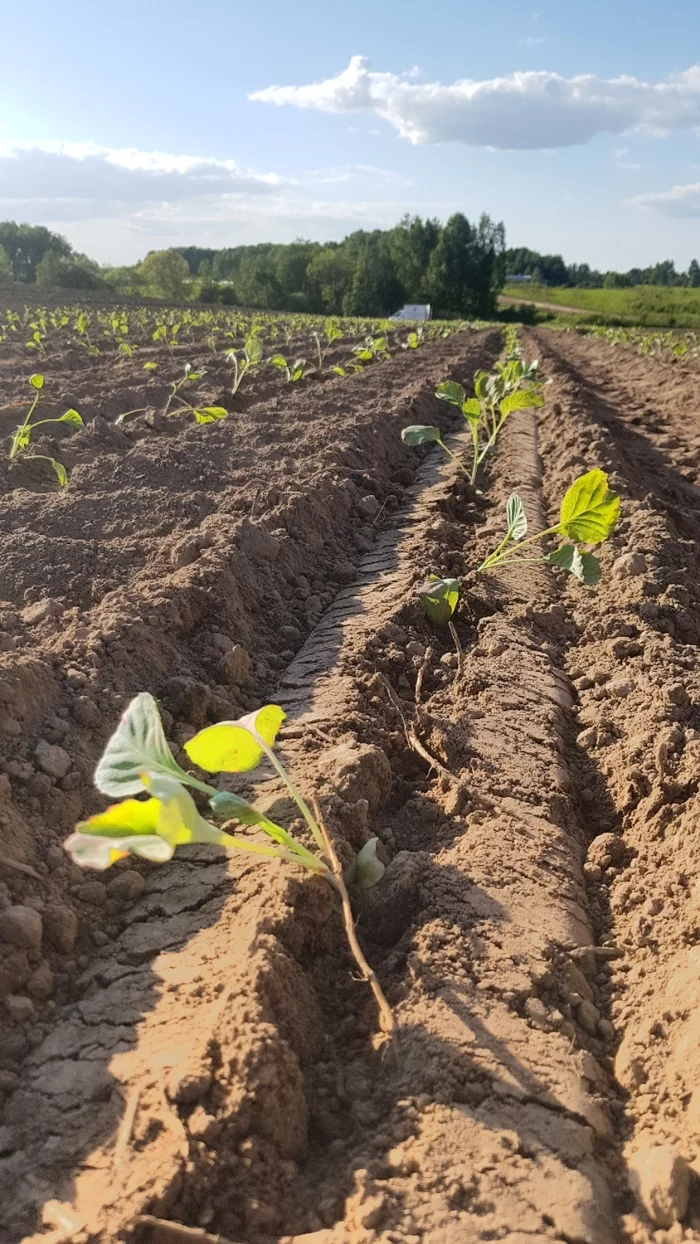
pixel 143 125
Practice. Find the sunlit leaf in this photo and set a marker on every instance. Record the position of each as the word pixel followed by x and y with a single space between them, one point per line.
pixel 36 381
pixel 522 399
pixel 471 410
pixel 71 416
pixel 236 746
pixel 589 510
pixel 210 414
pixel 254 349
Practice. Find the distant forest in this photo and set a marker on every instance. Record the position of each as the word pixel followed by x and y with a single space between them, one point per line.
pixel 458 267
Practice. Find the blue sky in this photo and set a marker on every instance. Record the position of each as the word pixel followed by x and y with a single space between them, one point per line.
pixel 131 127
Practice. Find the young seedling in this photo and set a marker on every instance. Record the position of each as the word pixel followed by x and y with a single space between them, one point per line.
pixel 439 598
pixel 488 410
pixel 137 760
pixel 588 514
pixel 21 437
pixel 203 414
pixel 373 348
pixel 425 434
pixel 332 333
pixel 250 358
pixel 293 371
pixel 413 340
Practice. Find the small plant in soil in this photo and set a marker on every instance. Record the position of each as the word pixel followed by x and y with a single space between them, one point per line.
pixel 496 397
pixel 245 360
pixel 21 437
pixel 137 761
pixel 202 414
pixel 426 434
pixel 588 514
pixel 292 371
pixel 439 598
pixel 331 333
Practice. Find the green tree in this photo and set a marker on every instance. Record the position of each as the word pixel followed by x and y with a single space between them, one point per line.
pixel 694 273
pixel 165 273
pixel 329 275
pixel 26 246
pixel 375 288
pixel 466 268
pixel 49 269
pixel 5 266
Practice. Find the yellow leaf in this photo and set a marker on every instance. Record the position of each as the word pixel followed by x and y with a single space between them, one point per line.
pixel 236 746
pixel 133 816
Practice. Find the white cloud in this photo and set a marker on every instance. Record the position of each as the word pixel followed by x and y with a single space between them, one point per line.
pixel 117 203
pixel 681 201
pixel 532 41
pixel 525 110
pixel 73 175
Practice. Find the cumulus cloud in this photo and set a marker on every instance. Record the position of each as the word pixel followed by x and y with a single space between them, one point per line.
pixel 73 175
pixel 522 111
pixel 680 201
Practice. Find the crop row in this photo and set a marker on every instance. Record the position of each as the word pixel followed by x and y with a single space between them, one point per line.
pixel 156 812
pixel 158 343
pixel 668 345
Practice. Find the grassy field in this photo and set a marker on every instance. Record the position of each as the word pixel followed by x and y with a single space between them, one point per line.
pixel 650 305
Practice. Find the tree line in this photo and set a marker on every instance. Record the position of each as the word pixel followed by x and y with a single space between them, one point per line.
pixel 551 270
pixel 458 267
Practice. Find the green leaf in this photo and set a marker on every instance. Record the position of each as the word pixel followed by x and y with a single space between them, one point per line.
pixel 516 518
pixel 61 472
pixel 150 366
pixel 589 510
pixel 231 807
pixel 339 371
pixel 138 745
pixel 36 381
pixel 584 566
pixel 471 410
pixel 278 361
pixel 439 599
pixel 522 399
pixel 420 434
pixel 71 416
pixel 451 392
pixel 210 414
pixel 368 869
pixel 481 379
pixel 21 439
pixel 254 350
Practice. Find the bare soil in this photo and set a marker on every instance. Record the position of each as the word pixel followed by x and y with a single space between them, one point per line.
pixel 186 1054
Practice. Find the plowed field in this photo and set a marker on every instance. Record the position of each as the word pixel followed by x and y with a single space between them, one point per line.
pixel 185 1052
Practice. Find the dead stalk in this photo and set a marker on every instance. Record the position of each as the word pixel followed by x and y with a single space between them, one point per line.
pixel 386 1017
pixel 421 674
pixel 457 644
pixel 411 737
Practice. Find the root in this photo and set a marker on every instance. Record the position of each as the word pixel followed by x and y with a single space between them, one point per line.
pixel 160 1231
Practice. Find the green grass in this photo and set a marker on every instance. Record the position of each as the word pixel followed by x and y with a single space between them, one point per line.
pixel 653 306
